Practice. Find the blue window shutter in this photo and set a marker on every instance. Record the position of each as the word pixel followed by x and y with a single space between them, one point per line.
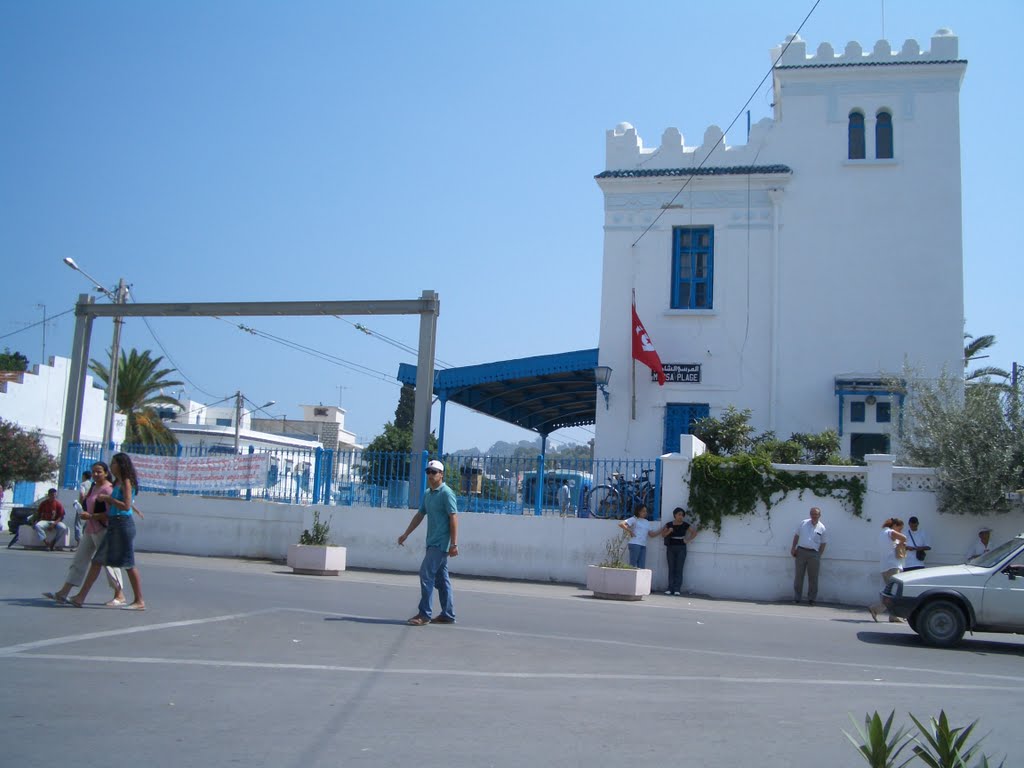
pixel 679 418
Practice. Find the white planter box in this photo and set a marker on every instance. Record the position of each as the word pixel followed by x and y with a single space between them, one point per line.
pixel 619 583
pixel 316 561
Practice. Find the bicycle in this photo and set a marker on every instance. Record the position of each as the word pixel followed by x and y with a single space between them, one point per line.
pixel 618 499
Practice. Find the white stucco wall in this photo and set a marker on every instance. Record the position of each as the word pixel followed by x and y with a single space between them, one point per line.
pixel 38 401
pixel 836 267
pixel 749 560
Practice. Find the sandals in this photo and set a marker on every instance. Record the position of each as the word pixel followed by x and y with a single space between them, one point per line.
pixel 134 607
pixel 115 603
pixel 418 621
pixel 55 597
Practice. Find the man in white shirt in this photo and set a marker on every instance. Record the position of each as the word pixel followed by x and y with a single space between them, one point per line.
pixel 809 544
pixel 918 544
pixel 565 499
pixel 980 546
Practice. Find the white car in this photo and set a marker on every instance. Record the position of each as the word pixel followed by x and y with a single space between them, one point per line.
pixel 984 595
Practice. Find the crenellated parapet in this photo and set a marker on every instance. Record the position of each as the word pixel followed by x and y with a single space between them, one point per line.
pixel 945 47
pixel 625 150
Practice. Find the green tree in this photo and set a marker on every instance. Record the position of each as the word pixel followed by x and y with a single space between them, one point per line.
pixel 405 412
pixel 727 435
pixel 23 456
pixel 387 456
pixel 140 385
pixel 13 361
pixel 971 435
pixel 972 351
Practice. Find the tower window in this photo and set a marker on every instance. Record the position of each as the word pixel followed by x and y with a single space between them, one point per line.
pixel 883 135
pixel 856 136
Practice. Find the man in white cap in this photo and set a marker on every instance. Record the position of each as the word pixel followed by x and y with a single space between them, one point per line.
pixel 439 507
pixel 980 546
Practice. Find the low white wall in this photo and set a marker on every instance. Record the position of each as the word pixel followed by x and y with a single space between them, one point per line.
pixel 749 560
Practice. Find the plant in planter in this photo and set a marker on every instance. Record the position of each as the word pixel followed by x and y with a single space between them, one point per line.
pixel 614 578
pixel 314 555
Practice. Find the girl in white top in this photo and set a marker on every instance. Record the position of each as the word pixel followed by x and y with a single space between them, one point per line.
pixel 639 529
pixel 892 551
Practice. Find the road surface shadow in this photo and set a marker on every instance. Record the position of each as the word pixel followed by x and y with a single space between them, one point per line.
pixel 968 645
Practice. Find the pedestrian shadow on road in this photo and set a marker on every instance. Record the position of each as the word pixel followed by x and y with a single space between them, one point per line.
pixel 32 602
pixel 968 645
pixel 365 620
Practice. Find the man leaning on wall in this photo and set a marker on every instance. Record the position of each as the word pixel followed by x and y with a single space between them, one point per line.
pixel 809 544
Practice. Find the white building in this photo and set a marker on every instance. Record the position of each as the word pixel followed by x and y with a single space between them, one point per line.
pixel 211 429
pixel 35 400
pixel 796 275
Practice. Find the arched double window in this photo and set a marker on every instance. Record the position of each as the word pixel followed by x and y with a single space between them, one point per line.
pixel 856 136
pixel 883 135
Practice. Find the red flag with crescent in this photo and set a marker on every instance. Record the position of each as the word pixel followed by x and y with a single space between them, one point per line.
pixel 643 348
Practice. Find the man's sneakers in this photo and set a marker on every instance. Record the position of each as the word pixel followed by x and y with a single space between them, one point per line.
pixel 419 620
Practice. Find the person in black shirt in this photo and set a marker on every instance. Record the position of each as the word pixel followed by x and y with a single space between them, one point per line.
pixel 677 535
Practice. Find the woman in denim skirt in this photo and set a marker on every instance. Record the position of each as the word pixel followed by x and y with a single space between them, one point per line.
pixel 95 516
pixel 117 548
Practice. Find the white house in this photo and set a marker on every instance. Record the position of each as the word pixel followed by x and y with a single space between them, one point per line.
pixel 796 275
pixel 35 400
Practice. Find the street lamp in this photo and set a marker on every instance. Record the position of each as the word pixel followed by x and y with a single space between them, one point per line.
pixel 602 375
pixel 239 397
pixel 118 297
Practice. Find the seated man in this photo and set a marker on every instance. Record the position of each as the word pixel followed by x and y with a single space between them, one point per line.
pixel 50 516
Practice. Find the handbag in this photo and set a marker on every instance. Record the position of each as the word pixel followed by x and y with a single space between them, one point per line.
pixel 920 553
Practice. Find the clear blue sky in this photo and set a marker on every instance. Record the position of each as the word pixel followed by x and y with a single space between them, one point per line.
pixel 217 151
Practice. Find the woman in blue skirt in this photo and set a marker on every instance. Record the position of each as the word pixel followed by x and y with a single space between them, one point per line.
pixel 117 548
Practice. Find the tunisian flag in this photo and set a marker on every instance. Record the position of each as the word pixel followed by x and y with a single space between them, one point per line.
pixel 643 348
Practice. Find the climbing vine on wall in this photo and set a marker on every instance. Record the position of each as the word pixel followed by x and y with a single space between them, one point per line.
pixel 723 486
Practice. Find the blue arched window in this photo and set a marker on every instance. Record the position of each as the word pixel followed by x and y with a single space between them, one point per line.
pixel 856 136
pixel 883 135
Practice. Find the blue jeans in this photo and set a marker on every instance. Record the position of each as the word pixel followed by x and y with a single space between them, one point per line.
pixel 434 571
pixel 638 555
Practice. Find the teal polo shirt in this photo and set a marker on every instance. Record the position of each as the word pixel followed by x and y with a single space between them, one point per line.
pixel 437 505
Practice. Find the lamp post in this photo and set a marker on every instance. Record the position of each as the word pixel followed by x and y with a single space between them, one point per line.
pixel 118 297
pixel 239 397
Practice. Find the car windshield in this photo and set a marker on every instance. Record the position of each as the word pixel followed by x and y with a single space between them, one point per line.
pixel 993 556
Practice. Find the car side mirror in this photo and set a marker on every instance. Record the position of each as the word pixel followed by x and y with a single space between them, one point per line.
pixel 1013 571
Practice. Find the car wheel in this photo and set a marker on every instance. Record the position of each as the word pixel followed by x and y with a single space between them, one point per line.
pixel 940 623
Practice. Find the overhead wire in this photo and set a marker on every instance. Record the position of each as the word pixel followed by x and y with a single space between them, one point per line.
pixel 689 178
pixel 170 359
pixel 393 342
pixel 38 323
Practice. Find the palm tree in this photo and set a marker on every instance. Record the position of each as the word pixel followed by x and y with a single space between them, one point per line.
pixel 140 382
pixel 972 351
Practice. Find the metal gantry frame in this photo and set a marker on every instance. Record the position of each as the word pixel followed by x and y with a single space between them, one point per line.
pixel 428 307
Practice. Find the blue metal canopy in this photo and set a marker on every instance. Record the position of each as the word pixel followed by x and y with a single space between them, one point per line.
pixel 542 393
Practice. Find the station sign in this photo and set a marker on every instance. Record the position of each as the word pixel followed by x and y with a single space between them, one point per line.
pixel 680 373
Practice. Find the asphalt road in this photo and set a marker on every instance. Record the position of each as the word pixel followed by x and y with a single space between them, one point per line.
pixel 241 662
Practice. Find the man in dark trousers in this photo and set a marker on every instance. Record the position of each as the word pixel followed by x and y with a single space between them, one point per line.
pixel 809 544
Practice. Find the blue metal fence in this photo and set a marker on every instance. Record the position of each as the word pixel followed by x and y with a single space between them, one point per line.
pixel 490 484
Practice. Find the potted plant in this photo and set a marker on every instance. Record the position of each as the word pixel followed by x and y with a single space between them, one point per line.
pixel 314 555
pixel 614 578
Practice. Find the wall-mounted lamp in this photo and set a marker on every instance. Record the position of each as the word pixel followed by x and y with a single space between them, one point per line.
pixel 870 399
pixel 602 374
